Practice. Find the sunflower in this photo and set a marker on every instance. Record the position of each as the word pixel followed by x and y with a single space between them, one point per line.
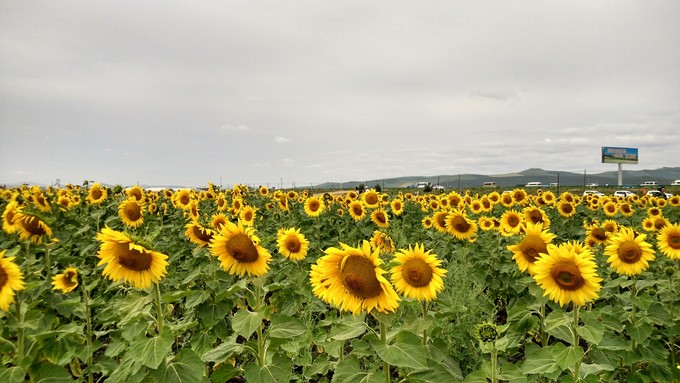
pixel 610 208
pixel 548 197
pixel 626 209
pixel 351 279
pixel 382 242
pixel 379 217
pixel 41 202
pixel 417 274
pixel 536 215
pixel 485 223
pixel 238 250
pixel 356 210
pixel 371 198
pixel 292 194
pixel 427 222
pixel 182 199
pixel 476 207
pixel 668 241
pixel 67 281
pixel 11 280
pixel 458 225
pixel 199 234
pixel 566 208
pixel 534 243
pixel 31 227
pixel 9 222
pixel 135 192
pixel 314 206
pixel 292 244
pixel 218 220
pixel 520 196
pixel 439 221
pixel 128 261
pixel 96 194
pixel 674 201
pixel 628 252
pixel 507 201
pixel 511 222
pixel 397 206
pixel 596 234
pixel 221 203
pixel 648 224
pixel 130 212
pixel 247 215
pixel 567 275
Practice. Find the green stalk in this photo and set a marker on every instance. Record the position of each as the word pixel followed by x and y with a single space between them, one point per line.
pixel 425 310
pixel 159 308
pixel 20 330
pixel 574 332
pixel 494 362
pixel 261 352
pixel 544 338
pixel 383 338
pixel 670 308
pixel 88 328
pixel 48 264
pixel 633 319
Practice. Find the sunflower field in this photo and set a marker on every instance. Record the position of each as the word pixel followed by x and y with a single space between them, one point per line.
pixel 255 285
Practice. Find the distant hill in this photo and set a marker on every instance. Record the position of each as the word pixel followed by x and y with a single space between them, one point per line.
pixel 663 176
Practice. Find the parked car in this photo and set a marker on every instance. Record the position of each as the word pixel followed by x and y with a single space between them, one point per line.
pixel 656 193
pixel 594 192
pixel 675 183
pixel 533 185
pixel 623 193
pixel 437 187
pixel 592 185
pixel 649 183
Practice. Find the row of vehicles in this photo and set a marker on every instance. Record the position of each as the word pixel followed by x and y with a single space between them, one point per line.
pixel 628 193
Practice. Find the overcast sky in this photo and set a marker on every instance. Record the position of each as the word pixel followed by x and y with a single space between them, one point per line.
pixel 276 92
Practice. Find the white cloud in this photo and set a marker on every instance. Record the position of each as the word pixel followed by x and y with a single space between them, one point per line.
pixel 281 140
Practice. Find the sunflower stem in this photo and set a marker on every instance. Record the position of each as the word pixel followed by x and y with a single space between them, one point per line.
pixel 88 328
pixel 670 309
pixel 383 338
pixel 48 264
pixel 261 352
pixel 544 338
pixel 575 343
pixel 633 318
pixel 494 362
pixel 159 308
pixel 425 311
pixel 20 330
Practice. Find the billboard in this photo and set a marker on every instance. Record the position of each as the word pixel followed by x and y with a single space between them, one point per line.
pixel 614 155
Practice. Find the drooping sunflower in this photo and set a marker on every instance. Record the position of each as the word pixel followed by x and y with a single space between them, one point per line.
pixel 382 242
pixel 314 206
pixel 31 227
pixel 237 247
pixel 247 215
pixel 356 210
pixel 96 194
pixel 66 281
pixel 371 198
pixel 380 218
pixel 351 279
pixel 534 243
pixel 199 234
pixel 668 241
pixel 9 223
pixel 458 225
pixel 628 252
pixel 417 274
pixel 131 213
pixel 11 280
pixel 565 275
pixel 292 244
pixel 41 202
pixel 127 260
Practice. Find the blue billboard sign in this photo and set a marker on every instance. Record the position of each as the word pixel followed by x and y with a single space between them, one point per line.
pixel 614 155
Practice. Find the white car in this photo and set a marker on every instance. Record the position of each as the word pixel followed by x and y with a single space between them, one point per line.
pixel 675 183
pixel 593 184
pixel 623 193
pixel 594 192
pixel 656 193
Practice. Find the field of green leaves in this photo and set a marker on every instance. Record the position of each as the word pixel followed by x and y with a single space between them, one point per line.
pixel 254 285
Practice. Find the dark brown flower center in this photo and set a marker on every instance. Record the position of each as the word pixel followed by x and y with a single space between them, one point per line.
pixel 133 259
pixel 371 198
pixel 513 220
pixel 314 205
pixel 673 241
pixel 3 277
pixel 293 245
pixel 416 272
pixel 535 216
pixel 358 276
pixel 70 279
pixel 599 234
pixel 248 216
pixel 242 248
pixel 380 217
pixel 659 223
pixel 201 233
pixel 532 246
pixel 357 210
pixel 33 226
pixel 629 252
pixel 96 193
pixel 567 208
pixel 133 211
pixel 567 276
pixel 460 224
